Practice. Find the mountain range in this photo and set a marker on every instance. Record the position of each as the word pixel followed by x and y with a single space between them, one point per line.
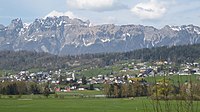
pixel 65 36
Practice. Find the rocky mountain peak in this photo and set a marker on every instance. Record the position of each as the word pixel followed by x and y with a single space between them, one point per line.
pixel 63 35
pixel 16 25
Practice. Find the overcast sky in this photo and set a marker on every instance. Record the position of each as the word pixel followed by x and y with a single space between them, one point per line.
pixel 156 13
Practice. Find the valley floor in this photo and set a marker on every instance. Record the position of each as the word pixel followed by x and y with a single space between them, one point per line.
pixel 141 104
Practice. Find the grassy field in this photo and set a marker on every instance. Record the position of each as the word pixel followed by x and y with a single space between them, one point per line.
pixel 140 104
pixel 175 78
pixel 72 105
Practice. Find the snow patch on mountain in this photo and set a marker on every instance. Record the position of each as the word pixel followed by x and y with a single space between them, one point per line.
pixel 105 40
pixel 26 25
pixel 87 43
pixel 197 31
pixel 44 49
pixel 175 28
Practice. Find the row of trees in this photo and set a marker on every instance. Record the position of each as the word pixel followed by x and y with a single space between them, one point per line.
pixel 125 90
pixel 21 87
pixel 162 89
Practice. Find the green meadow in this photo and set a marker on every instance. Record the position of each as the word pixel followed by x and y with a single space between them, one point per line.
pixel 175 79
pixel 140 104
pixel 74 105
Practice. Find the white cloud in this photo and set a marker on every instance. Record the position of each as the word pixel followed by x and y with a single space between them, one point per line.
pixel 95 5
pixel 57 14
pixel 149 10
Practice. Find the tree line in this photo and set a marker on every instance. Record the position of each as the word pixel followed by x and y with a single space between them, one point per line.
pixel 21 88
pixel 162 89
pixel 125 90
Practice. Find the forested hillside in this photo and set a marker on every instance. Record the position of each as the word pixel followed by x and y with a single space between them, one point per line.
pixel 22 60
pixel 183 53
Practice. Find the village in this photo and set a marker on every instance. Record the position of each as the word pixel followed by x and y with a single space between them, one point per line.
pixel 129 73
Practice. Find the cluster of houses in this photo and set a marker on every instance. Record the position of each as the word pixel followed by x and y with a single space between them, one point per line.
pixel 162 68
pixel 143 70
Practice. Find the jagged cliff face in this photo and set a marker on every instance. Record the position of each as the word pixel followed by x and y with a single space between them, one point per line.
pixel 62 36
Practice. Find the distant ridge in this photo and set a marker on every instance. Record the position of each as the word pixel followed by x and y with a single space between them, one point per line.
pixel 65 36
pixel 23 60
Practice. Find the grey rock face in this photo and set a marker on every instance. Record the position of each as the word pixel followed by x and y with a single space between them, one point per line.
pixel 65 36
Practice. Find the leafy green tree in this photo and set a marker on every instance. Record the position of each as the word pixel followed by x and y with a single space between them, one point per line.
pixel 21 87
pixel 33 88
pixel 84 80
pixel 46 91
pixel 91 87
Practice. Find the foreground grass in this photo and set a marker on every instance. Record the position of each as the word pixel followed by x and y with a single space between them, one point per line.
pixel 71 105
pixel 81 105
